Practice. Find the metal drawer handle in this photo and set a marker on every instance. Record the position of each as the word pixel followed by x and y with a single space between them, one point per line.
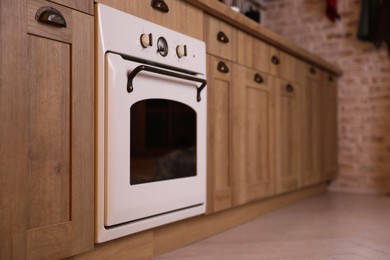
pixel 275 60
pixel 289 88
pixel 222 67
pixel 160 5
pixel 50 16
pixel 222 37
pixel 258 78
pixel 330 78
pixel 138 69
pixel 313 70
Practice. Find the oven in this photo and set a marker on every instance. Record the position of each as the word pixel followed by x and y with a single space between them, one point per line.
pixel 151 125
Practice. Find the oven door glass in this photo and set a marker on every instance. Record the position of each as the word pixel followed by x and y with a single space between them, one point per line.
pixel 163 141
pixel 155 143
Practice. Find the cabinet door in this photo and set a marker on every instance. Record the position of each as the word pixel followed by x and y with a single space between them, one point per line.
pixel 219 164
pixel 258 179
pixel 60 176
pixel 329 101
pixel 287 136
pixel 312 126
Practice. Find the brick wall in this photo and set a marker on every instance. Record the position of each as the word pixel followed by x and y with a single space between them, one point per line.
pixel 364 90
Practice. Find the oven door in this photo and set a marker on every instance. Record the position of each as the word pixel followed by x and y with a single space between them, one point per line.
pixel 155 142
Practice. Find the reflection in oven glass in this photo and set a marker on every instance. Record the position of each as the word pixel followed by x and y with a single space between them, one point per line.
pixel 163 141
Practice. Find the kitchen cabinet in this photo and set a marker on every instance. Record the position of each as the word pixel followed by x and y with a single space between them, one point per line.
pixel 224 147
pixel 312 139
pixel 282 65
pixel 329 109
pixel 258 110
pixel 221 38
pixel 319 126
pixel 287 136
pixel 264 139
pixel 57 192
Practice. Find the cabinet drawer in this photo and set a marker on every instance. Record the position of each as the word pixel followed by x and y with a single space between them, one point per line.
pixel 282 64
pixel 85 6
pixel 63 34
pixel 221 38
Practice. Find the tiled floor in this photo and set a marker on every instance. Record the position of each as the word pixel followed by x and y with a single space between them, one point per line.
pixel 332 226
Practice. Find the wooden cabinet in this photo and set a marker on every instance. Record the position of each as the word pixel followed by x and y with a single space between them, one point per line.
pixel 221 38
pixel 58 131
pixel 329 115
pixel 287 136
pixel 182 16
pixel 258 110
pixel 221 85
pixel 282 65
pixel 312 139
pixel 319 126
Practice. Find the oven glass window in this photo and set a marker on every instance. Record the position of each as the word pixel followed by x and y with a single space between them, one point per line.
pixel 163 141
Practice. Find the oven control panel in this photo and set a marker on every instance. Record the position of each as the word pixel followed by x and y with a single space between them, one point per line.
pixel 136 37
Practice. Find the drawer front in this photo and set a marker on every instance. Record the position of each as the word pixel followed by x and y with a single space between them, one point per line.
pixel 282 65
pixel 221 39
pixel 61 33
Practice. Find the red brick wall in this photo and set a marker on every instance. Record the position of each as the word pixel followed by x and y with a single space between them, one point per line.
pixel 364 90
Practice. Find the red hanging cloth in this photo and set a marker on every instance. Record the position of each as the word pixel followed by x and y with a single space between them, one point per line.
pixel 331 10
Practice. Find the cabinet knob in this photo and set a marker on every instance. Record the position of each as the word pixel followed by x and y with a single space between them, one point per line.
pixel 290 88
pixel 313 70
pixel 160 5
pixel 275 60
pixel 50 16
pixel 330 78
pixel 258 78
pixel 222 37
pixel 222 67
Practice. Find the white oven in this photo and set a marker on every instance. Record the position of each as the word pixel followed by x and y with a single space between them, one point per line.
pixel 151 125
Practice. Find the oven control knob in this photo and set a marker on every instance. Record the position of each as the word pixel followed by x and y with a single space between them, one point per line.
pixel 181 51
pixel 146 40
pixel 162 46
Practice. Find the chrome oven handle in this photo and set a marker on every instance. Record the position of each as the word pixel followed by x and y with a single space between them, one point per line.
pixel 138 69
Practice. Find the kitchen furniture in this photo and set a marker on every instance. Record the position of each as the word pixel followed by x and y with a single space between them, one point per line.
pixel 272 126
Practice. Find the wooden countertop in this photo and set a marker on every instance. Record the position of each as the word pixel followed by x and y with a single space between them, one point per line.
pixel 242 22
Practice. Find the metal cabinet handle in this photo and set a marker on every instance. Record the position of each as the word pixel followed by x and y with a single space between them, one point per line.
pixel 289 88
pixel 50 16
pixel 258 78
pixel 222 37
pixel 330 78
pixel 140 68
pixel 160 5
pixel 222 67
pixel 275 60
pixel 313 70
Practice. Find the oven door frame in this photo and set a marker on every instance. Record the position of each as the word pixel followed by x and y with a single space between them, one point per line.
pixel 114 217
